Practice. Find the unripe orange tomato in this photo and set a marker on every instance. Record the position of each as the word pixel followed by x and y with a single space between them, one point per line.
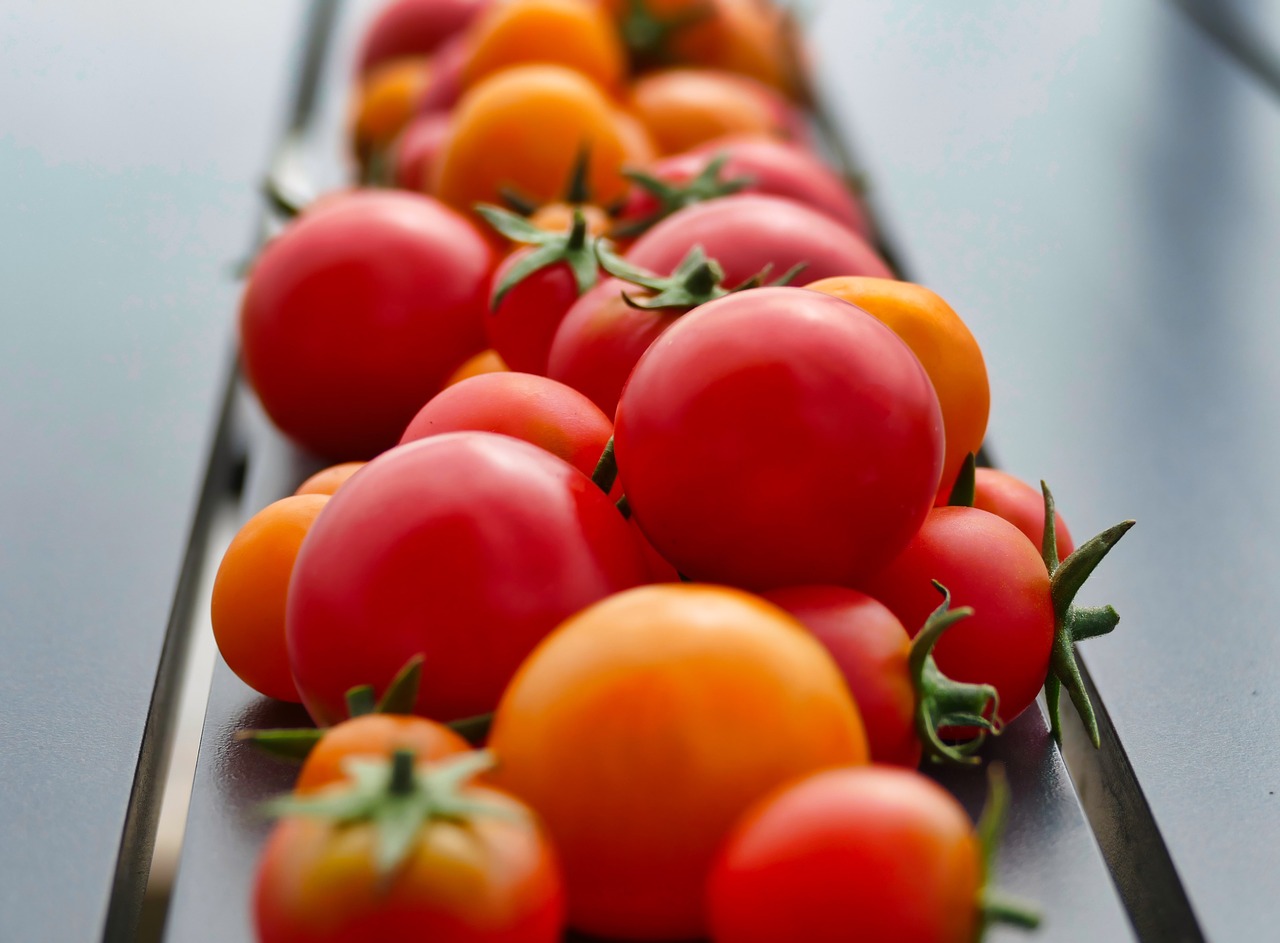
pixel 373 736
pixel 329 480
pixel 682 108
pixel 387 101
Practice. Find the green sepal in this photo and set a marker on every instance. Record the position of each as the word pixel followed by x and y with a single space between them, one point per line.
pixel 624 507
pixel 287 744
pixel 964 491
pixel 402 693
pixel 474 730
pixel 1073 623
pixel 398 798
pixel 648 36
pixel 518 202
pixel 606 472
pixel 994 906
pixel 673 197
pixel 361 700
pixel 576 248
pixel 695 281
pixel 943 702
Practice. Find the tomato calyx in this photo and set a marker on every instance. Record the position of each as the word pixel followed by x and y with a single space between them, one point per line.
pixel 1074 623
pixel 648 36
pixel 944 702
pixel 399 798
pixel 606 472
pixel 297 743
pixel 673 197
pixel 576 248
pixel 965 491
pixel 993 905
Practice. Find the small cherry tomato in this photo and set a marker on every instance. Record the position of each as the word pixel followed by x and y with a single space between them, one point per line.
pixel 779 437
pixel 642 728
pixel 385 103
pixel 248 604
pixel 329 480
pixel 357 313
pixel 445 87
pixel 946 348
pixel 416 150
pixel 465 548
pixel 373 736
pixel 570 33
pixel 1020 504
pixel 538 410
pixel 415 28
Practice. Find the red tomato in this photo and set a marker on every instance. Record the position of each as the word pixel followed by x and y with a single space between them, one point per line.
pixel 875 854
pixel 746 233
pixel 416 149
pixel 988 564
pixel 768 166
pixel 549 414
pixel 1021 505
pixel 415 28
pixel 445 88
pixel 357 313
pixel 779 437
pixel 465 548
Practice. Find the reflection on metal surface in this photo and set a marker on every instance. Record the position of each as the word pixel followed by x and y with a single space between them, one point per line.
pixel 1238 36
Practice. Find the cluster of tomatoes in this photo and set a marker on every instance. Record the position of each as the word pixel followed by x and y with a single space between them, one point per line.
pixel 675 537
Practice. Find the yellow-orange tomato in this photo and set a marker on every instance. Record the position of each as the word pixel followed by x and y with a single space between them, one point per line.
pixel 247 609
pixel 571 33
pixel 643 727
pixel 524 128
pixel 487 361
pixel 386 101
pixel 375 735
pixel 945 347
pixel 682 108
pixel 329 480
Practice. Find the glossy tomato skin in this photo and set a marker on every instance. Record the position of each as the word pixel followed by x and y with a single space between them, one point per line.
pixel 642 728
pixel 774 167
pixel 746 233
pixel 374 736
pixel 600 339
pixel 1021 505
pixel 491 880
pixel 778 437
pixel 538 410
pixel 522 326
pixel 356 314
pixel 877 855
pixel 415 28
pixel 466 548
pixel 988 564
pixel 871 648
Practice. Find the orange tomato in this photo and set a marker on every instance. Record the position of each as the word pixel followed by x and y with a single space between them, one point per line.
pixel 247 609
pixel 571 33
pixel 374 735
pixel 328 480
pixel 524 128
pixel 643 727
pixel 558 217
pixel 385 102
pixel 945 347
pixel 487 361
pixel 682 108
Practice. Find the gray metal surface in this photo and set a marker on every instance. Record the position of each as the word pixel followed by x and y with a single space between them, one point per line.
pixel 129 147
pixel 1092 185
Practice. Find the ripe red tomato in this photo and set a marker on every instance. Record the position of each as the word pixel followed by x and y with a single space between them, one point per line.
pixel 872 854
pixel 415 28
pixel 1021 505
pixel 357 313
pixel 748 232
pixel 416 149
pixel 549 414
pixel 779 437
pixel 466 548
pixel 988 564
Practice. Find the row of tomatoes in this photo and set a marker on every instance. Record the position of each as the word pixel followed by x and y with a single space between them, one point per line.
pixel 685 535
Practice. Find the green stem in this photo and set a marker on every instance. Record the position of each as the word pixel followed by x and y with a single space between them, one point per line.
pixel 402 781
pixel 606 472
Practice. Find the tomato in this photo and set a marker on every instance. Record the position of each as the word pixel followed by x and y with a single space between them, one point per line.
pixel 524 128
pixel 248 604
pixel 571 33
pixel 746 233
pixel 445 87
pixel 385 103
pixel 546 413
pixel 466 548
pixel 415 28
pixel 328 480
pixel 779 437
pixel 416 150
pixel 643 727
pixel 356 314
pixel 372 736
pixel 950 355
pixel 558 217
pixel 683 108
pixel 759 165
pixel 879 855
pixel 1021 505
pixel 475 868
pixel 487 361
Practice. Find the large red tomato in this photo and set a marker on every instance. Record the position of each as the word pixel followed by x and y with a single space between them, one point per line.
pixel 465 548
pixel 356 315
pixel 779 437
